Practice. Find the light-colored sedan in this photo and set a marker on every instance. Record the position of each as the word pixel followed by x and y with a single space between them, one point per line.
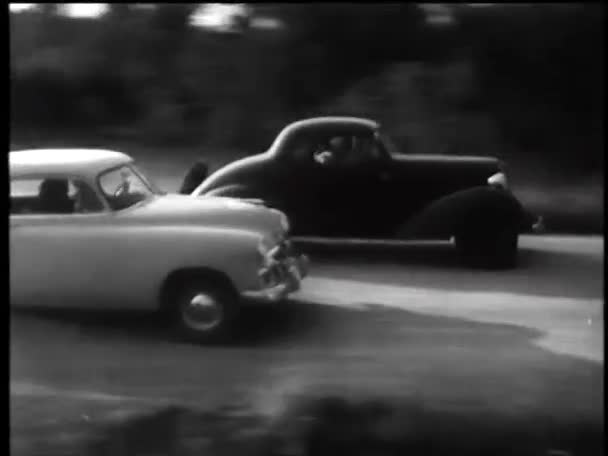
pixel 88 229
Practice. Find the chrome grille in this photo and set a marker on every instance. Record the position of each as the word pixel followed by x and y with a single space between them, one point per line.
pixel 280 251
pixel 277 268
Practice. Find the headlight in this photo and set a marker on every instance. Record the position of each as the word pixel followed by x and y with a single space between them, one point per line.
pixel 284 223
pixel 498 180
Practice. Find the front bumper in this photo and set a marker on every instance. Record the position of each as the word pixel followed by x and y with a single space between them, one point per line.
pixel 533 223
pixel 539 225
pixel 281 275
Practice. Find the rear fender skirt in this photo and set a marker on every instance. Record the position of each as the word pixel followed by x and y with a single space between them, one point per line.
pixel 481 208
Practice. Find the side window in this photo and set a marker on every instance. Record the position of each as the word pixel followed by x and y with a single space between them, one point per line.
pixel 333 151
pixel 339 150
pixel 368 148
pixel 54 195
pixel 347 151
pixel 386 145
pixel 24 196
pixel 302 153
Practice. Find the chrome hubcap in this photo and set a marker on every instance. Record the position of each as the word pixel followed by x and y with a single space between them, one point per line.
pixel 202 312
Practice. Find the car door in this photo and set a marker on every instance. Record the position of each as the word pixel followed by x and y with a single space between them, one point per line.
pixel 54 261
pixel 354 187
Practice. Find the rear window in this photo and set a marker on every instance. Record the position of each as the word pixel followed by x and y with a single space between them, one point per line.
pixel 53 195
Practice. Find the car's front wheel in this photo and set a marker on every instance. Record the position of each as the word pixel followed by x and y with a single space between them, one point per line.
pixel 492 249
pixel 203 311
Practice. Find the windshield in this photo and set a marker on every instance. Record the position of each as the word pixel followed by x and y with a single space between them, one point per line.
pixel 125 186
pixel 388 143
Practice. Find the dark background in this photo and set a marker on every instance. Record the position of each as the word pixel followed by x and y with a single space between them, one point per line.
pixel 523 82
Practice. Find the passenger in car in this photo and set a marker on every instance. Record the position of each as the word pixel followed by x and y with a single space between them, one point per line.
pixel 53 197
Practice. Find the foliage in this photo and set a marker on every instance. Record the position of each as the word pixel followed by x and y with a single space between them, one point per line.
pixel 523 80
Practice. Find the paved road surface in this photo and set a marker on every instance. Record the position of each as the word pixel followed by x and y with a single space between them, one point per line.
pixel 371 321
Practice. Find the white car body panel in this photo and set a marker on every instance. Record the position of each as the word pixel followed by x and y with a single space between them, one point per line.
pixel 122 258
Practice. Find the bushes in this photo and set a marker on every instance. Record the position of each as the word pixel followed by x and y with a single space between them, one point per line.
pixel 423 107
pixel 42 97
pixel 523 80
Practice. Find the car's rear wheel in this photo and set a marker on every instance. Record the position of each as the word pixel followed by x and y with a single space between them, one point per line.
pixel 203 311
pixel 496 249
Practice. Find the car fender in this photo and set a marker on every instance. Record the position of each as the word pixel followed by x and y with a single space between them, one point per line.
pixel 147 255
pixel 482 207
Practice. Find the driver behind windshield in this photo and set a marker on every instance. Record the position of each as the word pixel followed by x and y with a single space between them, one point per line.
pixel 122 188
pixel 125 185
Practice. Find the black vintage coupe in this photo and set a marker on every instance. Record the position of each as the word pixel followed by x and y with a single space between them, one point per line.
pixel 342 177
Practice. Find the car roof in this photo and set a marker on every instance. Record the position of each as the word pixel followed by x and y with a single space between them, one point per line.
pixel 319 124
pixel 80 162
pixel 335 121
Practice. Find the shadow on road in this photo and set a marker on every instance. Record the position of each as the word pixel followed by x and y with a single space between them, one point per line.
pixel 290 323
pixel 305 324
pixel 111 324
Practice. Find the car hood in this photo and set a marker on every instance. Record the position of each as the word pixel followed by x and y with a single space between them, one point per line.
pixel 207 211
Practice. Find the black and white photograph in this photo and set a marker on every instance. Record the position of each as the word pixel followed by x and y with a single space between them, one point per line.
pixel 306 229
